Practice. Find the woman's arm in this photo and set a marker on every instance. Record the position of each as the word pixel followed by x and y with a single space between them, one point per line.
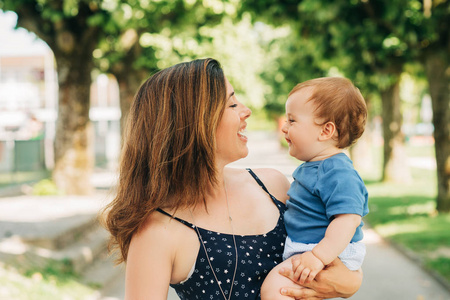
pixel 335 280
pixel 149 263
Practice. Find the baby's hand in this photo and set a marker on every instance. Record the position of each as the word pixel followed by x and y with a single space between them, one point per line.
pixel 306 266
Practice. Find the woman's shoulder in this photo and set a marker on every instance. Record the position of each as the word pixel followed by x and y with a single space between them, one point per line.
pixel 262 173
pixel 158 228
pixel 151 245
pixel 155 226
pixel 157 256
pixel 275 181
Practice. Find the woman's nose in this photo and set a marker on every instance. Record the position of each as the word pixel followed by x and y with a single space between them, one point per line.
pixel 245 112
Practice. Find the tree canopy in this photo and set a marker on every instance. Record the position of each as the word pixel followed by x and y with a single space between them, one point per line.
pixel 370 42
pixel 265 46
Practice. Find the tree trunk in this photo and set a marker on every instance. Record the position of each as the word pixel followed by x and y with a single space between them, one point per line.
pixel 128 87
pixel 73 140
pixel 438 75
pixel 129 80
pixel 395 167
pixel 361 153
pixel 72 40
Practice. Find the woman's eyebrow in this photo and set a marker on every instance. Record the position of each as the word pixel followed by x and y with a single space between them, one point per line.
pixel 231 95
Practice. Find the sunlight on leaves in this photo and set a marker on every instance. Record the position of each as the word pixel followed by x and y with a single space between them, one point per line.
pixel 415 209
pixel 398 228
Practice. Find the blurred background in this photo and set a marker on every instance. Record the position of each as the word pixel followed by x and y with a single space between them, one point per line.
pixel 69 70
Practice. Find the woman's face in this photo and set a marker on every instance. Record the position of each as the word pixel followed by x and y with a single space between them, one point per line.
pixel 230 137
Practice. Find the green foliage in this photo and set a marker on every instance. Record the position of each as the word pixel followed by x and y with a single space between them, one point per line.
pixel 7 179
pixel 63 270
pixel 420 151
pixel 406 214
pixel 46 187
pixel 235 45
pixel 53 282
pixel 440 265
pixel 260 122
pixel 369 41
pixel 192 29
pixel 398 208
pixel 50 18
pixel 427 234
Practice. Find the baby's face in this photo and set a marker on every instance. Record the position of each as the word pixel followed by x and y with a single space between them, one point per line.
pixel 300 130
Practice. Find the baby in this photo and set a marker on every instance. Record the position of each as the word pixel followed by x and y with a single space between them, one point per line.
pixel 327 198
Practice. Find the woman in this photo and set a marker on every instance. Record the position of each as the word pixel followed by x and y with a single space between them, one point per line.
pixel 180 217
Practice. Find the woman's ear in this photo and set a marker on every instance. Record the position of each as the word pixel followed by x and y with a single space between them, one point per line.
pixel 328 131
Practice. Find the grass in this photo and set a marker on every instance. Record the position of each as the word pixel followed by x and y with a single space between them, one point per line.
pixel 441 265
pixel 54 282
pixel 406 214
pixel 420 151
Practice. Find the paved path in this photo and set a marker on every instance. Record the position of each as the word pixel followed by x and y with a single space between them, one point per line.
pixel 388 274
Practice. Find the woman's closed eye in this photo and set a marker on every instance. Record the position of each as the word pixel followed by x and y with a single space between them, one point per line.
pixel 233 105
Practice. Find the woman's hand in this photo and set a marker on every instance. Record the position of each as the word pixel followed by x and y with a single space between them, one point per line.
pixel 335 280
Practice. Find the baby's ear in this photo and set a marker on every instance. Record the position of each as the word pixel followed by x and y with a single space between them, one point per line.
pixel 328 131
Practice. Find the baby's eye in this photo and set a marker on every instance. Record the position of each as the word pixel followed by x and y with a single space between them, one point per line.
pixel 291 120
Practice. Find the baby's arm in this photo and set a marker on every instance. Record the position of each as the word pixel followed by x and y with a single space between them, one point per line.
pixel 306 266
pixel 338 235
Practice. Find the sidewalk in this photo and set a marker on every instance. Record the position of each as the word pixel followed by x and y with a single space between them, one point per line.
pixel 388 274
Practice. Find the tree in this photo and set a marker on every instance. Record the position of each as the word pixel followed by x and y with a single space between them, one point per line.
pixel 420 33
pixel 339 36
pixel 144 43
pixel 160 34
pixel 72 30
pixel 378 38
pixel 433 46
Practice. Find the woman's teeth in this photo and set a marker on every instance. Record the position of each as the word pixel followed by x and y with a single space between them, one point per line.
pixel 242 133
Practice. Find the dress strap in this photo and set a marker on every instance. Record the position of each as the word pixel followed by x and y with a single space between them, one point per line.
pixel 261 184
pixel 178 219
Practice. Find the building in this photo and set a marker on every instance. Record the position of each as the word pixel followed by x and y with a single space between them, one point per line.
pixel 29 100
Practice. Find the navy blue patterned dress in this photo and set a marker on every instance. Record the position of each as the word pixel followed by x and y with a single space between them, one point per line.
pixel 257 255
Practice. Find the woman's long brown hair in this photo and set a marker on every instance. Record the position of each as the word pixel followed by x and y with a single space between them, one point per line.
pixel 168 156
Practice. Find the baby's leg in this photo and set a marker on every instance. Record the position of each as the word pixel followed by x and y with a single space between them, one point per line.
pixel 274 281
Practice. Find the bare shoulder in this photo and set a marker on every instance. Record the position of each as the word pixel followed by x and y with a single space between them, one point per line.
pixel 275 182
pixel 156 228
pixel 150 260
pixel 162 232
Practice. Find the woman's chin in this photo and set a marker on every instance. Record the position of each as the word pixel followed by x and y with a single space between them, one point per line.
pixel 242 154
pixel 245 153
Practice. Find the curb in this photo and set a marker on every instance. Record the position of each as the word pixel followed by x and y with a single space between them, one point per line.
pixel 417 259
pixel 11 190
pixel 414 257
